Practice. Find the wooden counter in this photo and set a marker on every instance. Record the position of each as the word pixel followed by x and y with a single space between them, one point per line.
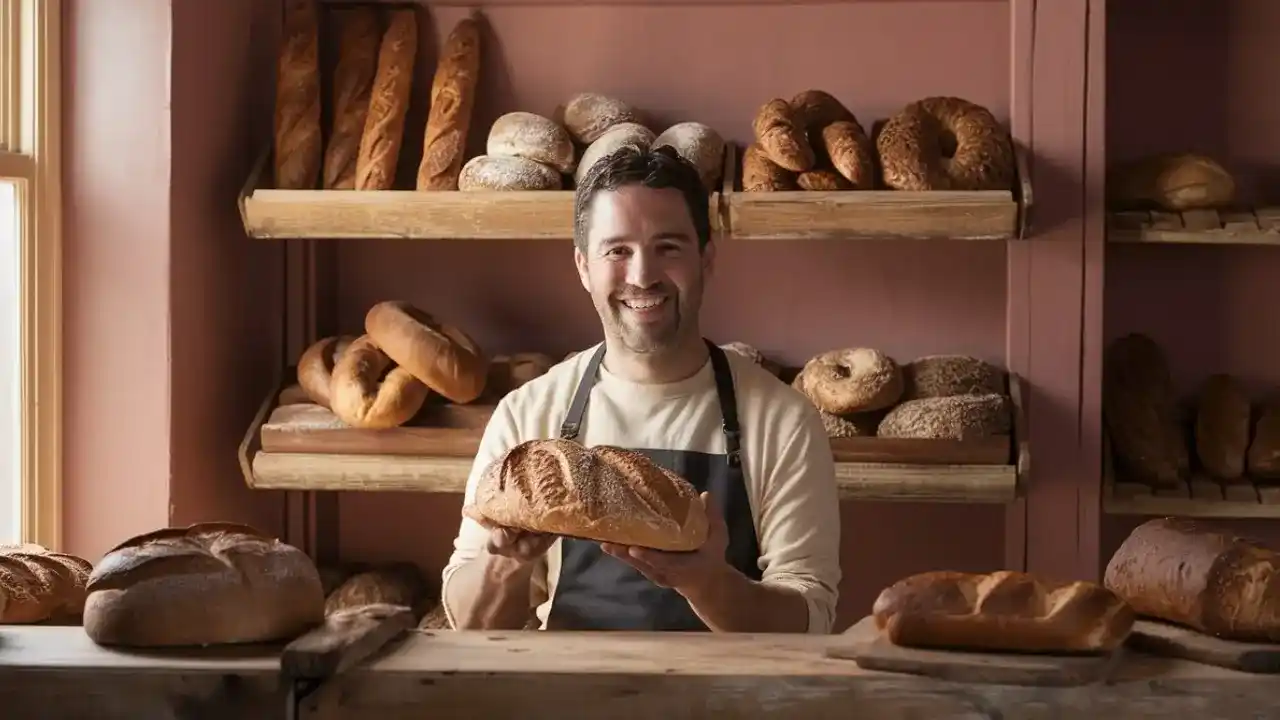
pixel 57 672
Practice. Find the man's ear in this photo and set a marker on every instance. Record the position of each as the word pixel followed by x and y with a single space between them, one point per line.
pixel 580 261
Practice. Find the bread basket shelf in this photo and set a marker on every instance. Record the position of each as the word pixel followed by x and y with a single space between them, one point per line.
pixel 869 214
pixel 268 213
pixel 1260 226
pixel 294 444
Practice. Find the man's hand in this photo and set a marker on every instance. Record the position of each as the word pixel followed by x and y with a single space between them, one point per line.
pixel 520 545
pixel 684 572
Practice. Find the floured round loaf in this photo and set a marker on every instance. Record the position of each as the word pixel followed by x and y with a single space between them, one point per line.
pixel 615 138
pixel 700 145
pixel 943 375
pixel 494 172
pixel 533 137
pixel 588 115
pixel 958 417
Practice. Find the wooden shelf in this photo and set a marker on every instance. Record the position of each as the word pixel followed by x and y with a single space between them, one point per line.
pixel 864 214
pixel 1260 226
pixel 294 444
pixel 408 214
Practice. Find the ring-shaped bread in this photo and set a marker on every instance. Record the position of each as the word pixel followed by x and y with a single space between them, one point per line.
pixel 371 391
pixel 439 355
pixel 945 143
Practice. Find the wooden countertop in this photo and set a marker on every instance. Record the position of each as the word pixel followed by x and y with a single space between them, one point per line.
pixel 558 675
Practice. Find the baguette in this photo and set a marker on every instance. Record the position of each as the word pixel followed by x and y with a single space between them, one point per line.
pixel 453 96
pixel 38 585
pixel 298 140
pixel 352 86
pixel 1002 612
pixel 384 126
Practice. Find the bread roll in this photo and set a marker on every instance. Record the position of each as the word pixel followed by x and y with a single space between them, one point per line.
pixel 453 96
pixel 315 368
pixel 958 417
pixel 533 137
pixel 1170 181
pixel 822 179
pixel 588 115
pixel 298 140
pixel 853 380
pixel 613 139
pixel 943 375
pixel 1223 419
pixel 700 145
pixel 439 355
pixel 358 39
pixel 760 174
pixel 1264 450
pixel 850 152
pixel 1140 411
pixel 208 584
pixel 368 390
pixel 395 584
pixel 384 125
pixel 1182 572
pixel 605 494
pixel 492 172
pixel 779 131
pixel 39 585
pixel 1001 611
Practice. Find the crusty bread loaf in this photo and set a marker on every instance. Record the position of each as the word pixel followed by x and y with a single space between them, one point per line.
pixel 1264 449
pixel 587 116
pixel 1170 181
pixel 207 584
pixel 780 133
pixel 614 138
pixel 956 417
pixel 698 144
pixel 822 179
pixel 453 97
pixel 533 137
pixel 1140 411
pixel 388 103
pixel 1223 418
pixel 943 375
pixel 38 585
pixel 440 355
pixel 394 584
pixel 369 390
pixel 1001 611
pixel 495 172
pixel 298 140
pixel 604 493
pixel 359 34
pixel 760 174
pixel 1182 572
pixel 850 151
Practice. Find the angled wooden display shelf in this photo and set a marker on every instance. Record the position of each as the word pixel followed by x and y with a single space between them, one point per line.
pixel 872 214
pixel 1259 226
pixel 294 444
pixel 268 213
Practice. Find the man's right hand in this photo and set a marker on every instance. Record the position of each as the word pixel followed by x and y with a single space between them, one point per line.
pixel 520 545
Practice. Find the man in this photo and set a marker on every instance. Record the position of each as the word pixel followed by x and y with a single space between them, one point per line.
pixel 754 446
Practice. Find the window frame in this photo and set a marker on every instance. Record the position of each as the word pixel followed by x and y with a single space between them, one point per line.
pixel 31 157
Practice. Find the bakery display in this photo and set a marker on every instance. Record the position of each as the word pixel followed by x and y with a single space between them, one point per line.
pixel 453 96
pixel 945 143
pixel 297 140
pixel 383 134
pixel 208 584
pixel 38 585
pixel 359 37
pixel 602 493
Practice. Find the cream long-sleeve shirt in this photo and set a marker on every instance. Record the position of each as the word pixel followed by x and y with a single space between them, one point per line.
pixel 787 464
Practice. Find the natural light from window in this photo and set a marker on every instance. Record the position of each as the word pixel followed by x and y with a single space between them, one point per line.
pixel 10 378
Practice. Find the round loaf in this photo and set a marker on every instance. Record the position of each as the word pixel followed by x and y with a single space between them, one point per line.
pixel 958 417
pixel 315 367
pixel 604 493
pixel 616 137
pixel 855 380
pixel 208 584
pixel 1170 181
pixel 945 143
pixel 943 375
pixel 443 357
pixel 370 391
pixel 587 116
pixel 495 172
pixel 532 137
pixel 700 145
pixel 37 585
pixel 395 584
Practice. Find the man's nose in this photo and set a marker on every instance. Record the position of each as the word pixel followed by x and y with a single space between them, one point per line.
pixel 643 269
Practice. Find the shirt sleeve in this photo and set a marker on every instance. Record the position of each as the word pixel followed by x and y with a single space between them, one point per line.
pixel 500 435
pixel 799 523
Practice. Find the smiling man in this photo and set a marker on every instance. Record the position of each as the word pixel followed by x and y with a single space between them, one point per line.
pixel 754 447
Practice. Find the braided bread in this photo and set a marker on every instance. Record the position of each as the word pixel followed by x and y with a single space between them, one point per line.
pixel 37 584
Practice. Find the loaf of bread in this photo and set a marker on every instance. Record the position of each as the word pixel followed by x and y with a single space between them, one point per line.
pixel 1181 572
pixel 39 585
pixel 358 37
pixel 394 584
pixel 1264 450
pixel 298 140
pixel 956 417
pixel 441 356
pixel 1001 612
pixel 850 152
pixel 613 139
pixel 779 131
pixel 604 493
pixel 944 375
pixel 208 584
pixel 700 145
pixel 496 172
pixel 851 380
pixel 587 116
pixel 760 174
pixel 388 103
pixel 1170 181
pixel 533 137
pixel 1140 411
pixel 1223 418
pixel 453 97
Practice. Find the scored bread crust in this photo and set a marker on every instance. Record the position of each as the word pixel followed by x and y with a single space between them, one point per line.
pixel 37 584
pixel 603 493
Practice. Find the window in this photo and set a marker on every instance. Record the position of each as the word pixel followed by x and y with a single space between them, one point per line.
pixel 30 272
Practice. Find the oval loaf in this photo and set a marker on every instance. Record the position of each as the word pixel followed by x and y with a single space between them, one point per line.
pixel 618 136
pixel 958 417
pixel 533 137
pixel 588 115
pixel 698 144
pixel 496 172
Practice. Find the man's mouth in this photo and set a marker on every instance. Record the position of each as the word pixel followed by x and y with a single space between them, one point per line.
pixel 642 304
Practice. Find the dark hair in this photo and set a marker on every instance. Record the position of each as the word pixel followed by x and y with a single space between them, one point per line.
pixel 659 168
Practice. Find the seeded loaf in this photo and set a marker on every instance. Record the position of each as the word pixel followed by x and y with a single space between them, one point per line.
pixel 943 375
pixel 956 417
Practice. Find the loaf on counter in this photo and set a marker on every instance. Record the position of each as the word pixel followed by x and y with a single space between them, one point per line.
pixel 38 585
pixel 1002 611
pixel 1182 572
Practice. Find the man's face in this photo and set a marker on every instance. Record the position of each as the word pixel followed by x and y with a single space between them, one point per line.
pixel 643 268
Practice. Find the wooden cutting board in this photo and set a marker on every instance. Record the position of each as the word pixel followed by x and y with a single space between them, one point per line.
pixel 864 645
pixel 1158 638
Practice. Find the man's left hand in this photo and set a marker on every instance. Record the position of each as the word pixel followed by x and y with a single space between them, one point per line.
pixel 683 572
